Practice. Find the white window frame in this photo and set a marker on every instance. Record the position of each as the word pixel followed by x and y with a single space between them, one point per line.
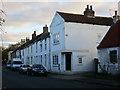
pixel 55 59
pixel 56 38
pixel 80 61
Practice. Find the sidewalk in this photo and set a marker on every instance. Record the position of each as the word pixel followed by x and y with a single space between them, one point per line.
pixel 82 78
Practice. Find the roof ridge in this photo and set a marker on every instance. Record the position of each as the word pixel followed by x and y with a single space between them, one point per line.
pixel 81 14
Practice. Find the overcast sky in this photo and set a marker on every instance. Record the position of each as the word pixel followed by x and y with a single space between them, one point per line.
pixel 26 16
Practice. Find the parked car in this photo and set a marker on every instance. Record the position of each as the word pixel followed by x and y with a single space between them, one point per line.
pixel 23 68
pixel 8 64
pixel 37 69
pixel 15 64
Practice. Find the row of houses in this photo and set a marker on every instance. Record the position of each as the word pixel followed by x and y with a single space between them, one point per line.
pixel 71 45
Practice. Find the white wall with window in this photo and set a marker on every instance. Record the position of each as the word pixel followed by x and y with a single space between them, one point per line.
pixel 78 38
pixel 109 58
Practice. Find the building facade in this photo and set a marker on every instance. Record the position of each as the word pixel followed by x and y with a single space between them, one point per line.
pixel 109 51
pixel 74 38
pixel 36 50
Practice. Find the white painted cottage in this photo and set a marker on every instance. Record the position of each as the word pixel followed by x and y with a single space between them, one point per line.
pixel 109 49
pixel 74 38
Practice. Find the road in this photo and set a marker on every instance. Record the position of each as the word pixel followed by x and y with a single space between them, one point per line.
pixel 12 79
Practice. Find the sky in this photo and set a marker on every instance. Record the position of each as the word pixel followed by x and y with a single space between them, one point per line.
pixel 23 17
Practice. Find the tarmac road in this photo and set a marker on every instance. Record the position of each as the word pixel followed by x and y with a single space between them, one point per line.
pixel 12 79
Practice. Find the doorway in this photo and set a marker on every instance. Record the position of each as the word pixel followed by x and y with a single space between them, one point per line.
pixel 68 61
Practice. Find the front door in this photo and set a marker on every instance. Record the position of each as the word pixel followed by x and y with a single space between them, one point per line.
pixel 68 61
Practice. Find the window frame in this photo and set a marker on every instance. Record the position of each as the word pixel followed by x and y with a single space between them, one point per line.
pixel 80 62
pixel 113 55
pixel 55 59
pixel 56 38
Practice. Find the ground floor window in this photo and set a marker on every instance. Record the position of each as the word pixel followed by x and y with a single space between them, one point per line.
pixel 55 59
pixel 80 60
pixel 41 59
pixel 113 56
pixel 45 59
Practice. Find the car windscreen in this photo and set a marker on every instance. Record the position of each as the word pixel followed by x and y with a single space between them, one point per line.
pixel 27 65
pixel 17 62
pixel 38 66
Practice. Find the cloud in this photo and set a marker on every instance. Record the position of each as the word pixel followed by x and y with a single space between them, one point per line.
pixel 15 37
pixel 22 16
pixel 61 0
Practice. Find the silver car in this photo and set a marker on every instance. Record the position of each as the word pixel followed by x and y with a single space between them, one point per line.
pixel 23 68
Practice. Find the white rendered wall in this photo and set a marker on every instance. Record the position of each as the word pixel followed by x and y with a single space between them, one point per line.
pixel 57 26
pixel 82 40
pixel 83 36
pixel 36 53
pixel 104 59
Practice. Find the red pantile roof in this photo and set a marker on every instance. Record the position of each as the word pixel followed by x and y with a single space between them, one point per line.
pixel 78 18
pixel 112 38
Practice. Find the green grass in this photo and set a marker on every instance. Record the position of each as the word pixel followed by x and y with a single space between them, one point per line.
pixel 102 76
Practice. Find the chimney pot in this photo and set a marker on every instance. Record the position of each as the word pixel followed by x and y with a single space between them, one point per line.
pixel 116 17
pixel 91 7
pixel 115 13
pixel 34 32
pixel 27 39
pixel 87 6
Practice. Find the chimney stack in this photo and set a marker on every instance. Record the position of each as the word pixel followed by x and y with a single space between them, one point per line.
pixel 27 39
pixel 116 17
pixel 45 29
pixel 89 12
pixel 22 41
pixel 34 35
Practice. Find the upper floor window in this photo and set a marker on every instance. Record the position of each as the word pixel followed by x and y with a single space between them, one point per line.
pixel 36 47
pixel 28 50
pixel 56 38
pixel 41 46
pixel 23 52
pixel 31 48
pixel 45 44
pixel 113 56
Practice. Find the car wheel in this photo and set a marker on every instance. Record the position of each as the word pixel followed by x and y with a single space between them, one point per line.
pixel 28 73
pixel 45 74
pixel 19 71
pixel 33 74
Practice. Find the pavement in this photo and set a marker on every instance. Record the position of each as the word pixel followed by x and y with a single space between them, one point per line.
pixel 83 79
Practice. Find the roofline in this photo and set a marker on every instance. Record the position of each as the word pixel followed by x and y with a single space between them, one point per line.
pixel 82 14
